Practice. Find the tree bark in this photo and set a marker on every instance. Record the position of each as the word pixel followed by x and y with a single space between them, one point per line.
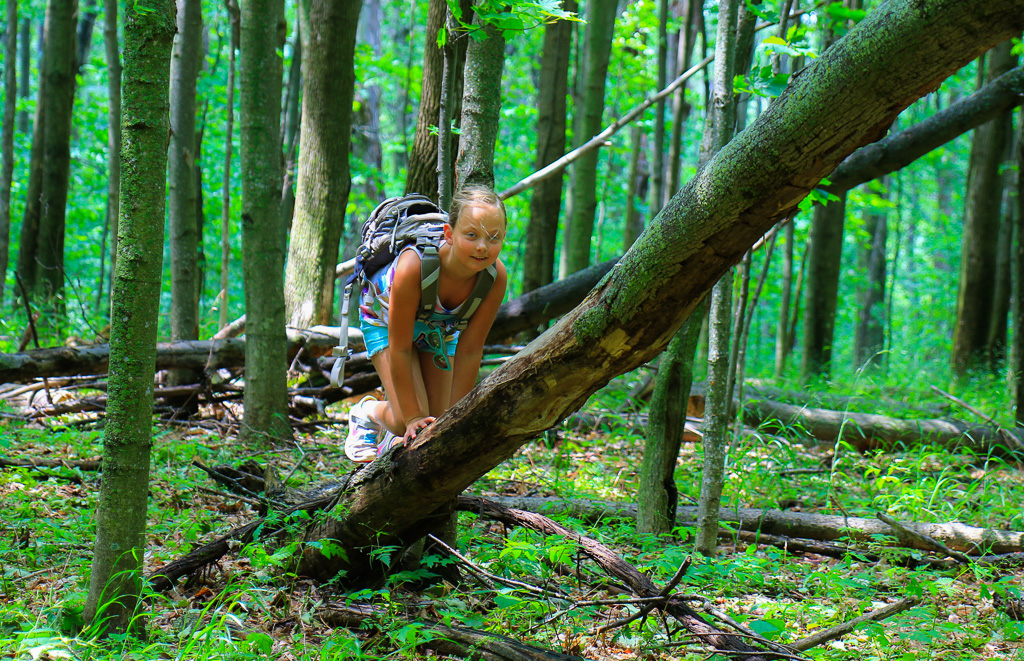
pixel 266 405
pixel 115 579
pixel 83 39
pixel 542 231
pixel 639 178
pixel 844 99
pixel 975 299
pixel 1018 304
pixel 366 124
pixel 328 86
pixel 481 107
pixel 7 139
pixel 782 321
pixel 113 56
pixel 597 47
pixel 181 164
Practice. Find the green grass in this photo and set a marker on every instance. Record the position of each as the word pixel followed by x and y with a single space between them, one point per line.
pixel 253 605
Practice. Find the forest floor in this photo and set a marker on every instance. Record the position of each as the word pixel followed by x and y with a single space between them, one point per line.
pixel 252 605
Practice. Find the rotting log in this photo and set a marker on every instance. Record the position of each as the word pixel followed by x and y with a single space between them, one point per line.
pixel 845 99
pixel 805 525
pixel 869 431
pixel 515 316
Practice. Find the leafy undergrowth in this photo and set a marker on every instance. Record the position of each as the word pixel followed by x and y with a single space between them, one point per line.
pixel 253 605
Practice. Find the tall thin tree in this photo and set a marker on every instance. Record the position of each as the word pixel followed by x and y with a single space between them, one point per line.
pixel 7 137
pixel 263 238
pixel 225 191
pixel 328 84
pixel 111 48
pixel 115 580
pixel 181 163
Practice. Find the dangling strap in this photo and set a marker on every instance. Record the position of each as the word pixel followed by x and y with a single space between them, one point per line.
pixel 484 281
pixel 342 352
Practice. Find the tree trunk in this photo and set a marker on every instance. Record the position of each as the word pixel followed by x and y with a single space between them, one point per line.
pixel 113 126
pixel 869 340
pixel 182 161
pixel 718 131
pixel 421 172
pixel 328 84
pixel 24 69
pixel 26 267
pixel 782 322
pixel 639 177
pixel 481 107
pixel 115 579
pixel 680 108
pixel 83 40
pixel 266 405
pixel 7 139
pixel 975 301
pixel 290 126
pixel 823 267
pixel 755 181
pixel 597 47
pixel 58 86
pixel 225 192
pixel 996 341
pixel 539 260
pixel 658 151
pixel 366 129
pixel 1018 317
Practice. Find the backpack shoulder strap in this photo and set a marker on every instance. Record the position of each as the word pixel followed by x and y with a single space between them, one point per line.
pixel 430 276
pixel 484 282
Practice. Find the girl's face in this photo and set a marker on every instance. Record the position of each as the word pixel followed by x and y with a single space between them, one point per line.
pixel 477 236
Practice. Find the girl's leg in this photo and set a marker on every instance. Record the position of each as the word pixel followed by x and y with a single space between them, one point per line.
pixel 438 384
pixel 387 412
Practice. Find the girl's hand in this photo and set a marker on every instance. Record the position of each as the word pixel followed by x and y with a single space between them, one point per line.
pixel 414 427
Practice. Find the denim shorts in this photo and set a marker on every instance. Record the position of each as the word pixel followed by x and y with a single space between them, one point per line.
pixel 426 338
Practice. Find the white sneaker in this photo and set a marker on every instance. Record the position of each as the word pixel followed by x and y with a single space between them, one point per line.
pixel 361 443
pixel 388 441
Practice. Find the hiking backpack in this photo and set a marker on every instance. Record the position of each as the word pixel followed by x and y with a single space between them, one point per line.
pixel 398 223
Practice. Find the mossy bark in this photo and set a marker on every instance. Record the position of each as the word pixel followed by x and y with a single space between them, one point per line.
pixel 7 141
pixel 823 265
pixel 121 512
pixel 481 107
pixel 844 99
pixel 323 180
pixel 263 237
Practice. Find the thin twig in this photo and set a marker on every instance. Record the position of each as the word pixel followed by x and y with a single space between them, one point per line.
pixel 214 492
pixel 662 597
pixel 930 541
pixel 494 577
pixel 1006 433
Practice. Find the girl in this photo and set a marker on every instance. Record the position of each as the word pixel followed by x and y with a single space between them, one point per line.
pixel 425 367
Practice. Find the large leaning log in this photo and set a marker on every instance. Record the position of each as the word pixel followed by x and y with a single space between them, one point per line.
pixel 846 98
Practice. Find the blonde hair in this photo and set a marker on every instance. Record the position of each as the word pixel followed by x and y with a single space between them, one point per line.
pixel 475 195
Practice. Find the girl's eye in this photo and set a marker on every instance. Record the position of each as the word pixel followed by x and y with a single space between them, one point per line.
pixel 471 235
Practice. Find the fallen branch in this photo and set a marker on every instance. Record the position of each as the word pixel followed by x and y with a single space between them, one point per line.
pixel 32 462
pixel 615 566
pixel 839 630
pixel 461 642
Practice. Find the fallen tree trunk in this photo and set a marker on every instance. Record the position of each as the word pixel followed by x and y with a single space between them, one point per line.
pixel 846 98
pixel 868 431
pixel 804 525
pixel 527 311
